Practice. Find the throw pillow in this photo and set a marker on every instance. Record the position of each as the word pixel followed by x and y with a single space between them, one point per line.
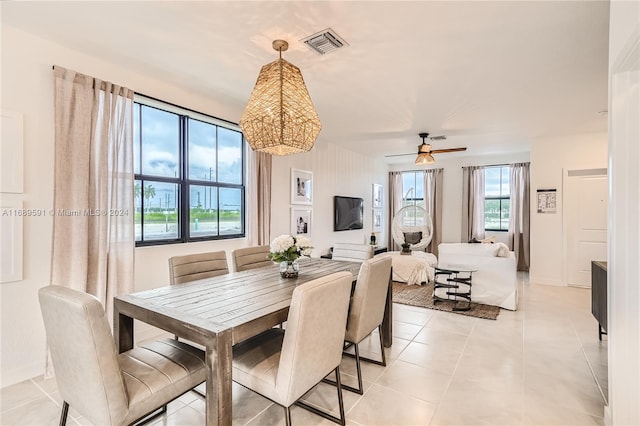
pixel 412 237
pixel 503 250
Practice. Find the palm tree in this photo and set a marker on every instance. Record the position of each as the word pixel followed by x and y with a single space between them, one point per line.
pixel 149 192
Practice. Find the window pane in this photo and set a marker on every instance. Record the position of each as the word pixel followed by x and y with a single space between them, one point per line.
pixel 160 211
pixel 202 150
pixel 229 156
pixel 160 142
pixel 203 211
pixel 136 138
pixel 506 179
pixel 230 211
pixel 492 182
pixel 137 203
pixel 492 214
pixel 504 214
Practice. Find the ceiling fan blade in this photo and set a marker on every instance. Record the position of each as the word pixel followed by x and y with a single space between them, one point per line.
pixel 399 155
pixel 440 151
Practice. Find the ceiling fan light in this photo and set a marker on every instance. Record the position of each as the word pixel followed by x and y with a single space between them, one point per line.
pixel 280 118
pixel 425 158
pixel 424 148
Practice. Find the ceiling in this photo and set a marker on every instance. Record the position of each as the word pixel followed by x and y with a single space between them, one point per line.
pixel 492 76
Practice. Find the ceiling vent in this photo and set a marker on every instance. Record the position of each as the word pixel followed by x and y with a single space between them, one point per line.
pixel 325 41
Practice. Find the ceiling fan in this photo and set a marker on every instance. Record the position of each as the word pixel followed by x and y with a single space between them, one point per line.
pixel 425 152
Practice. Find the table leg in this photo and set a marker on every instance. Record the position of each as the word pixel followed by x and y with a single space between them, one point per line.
pixel 387 320
pixel 122 329
pixel 218 363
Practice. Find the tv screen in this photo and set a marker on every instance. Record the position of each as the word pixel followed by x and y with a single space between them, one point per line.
pixel 347 213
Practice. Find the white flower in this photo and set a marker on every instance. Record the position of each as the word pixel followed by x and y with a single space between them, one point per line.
pixel 281 243
pixel 288 248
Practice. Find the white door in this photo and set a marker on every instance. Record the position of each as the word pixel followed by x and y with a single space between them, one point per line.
pixel 586 214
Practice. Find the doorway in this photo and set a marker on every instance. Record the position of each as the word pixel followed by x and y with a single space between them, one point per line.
pixel 585 207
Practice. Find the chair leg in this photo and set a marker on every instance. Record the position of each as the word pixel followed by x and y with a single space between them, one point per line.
pixel 64 413
pixel 341 421
pixel 287 416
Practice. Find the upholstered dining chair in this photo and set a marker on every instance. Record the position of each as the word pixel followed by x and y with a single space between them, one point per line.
pixel 367 311
pixel 197 266
pixel 106 387
pixel 352 252
pixel 250 258
pixel 283 365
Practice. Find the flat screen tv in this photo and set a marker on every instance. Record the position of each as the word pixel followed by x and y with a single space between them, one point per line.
pixel 347 213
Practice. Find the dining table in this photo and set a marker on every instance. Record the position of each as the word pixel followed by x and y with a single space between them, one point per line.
pixel 222 311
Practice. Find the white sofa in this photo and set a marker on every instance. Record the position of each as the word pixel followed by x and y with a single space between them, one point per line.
pixel 496 281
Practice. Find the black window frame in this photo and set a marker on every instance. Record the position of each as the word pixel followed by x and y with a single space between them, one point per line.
pixel 182 180
pixel 500 198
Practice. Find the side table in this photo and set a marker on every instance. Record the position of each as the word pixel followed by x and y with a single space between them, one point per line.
pixel 456 285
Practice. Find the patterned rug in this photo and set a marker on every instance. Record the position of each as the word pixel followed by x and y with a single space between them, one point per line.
pixel 422 295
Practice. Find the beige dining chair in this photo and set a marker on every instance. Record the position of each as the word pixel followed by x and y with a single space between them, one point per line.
pixel 366 311
pixel 352 252
pixel 106 387
pixel 283 365
pixel 197 266
pixel 250 258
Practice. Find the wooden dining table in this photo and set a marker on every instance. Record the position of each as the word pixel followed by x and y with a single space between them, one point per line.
pixel 221 311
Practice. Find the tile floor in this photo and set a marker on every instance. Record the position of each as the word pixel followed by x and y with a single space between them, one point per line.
pixel 541 365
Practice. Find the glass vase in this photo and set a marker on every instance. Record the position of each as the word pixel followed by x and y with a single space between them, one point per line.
pixel 289 269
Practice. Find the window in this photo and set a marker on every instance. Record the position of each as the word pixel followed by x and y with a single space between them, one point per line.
pixel 412 188
pixel 189 175
pixel 496 198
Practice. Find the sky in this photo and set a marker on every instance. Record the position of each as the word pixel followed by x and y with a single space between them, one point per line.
pixel 159 131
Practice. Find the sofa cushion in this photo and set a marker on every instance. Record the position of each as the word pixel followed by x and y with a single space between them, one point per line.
pixel 412 237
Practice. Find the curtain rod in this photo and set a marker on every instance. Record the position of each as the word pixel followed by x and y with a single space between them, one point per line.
pixel 420 170
pixel 500 165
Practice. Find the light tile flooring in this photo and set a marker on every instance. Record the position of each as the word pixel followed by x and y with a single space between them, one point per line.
pixel 541 365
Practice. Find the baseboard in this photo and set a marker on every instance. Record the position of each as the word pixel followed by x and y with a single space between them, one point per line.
pixel 22 373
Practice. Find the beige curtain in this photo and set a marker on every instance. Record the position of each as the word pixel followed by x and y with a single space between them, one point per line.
pixel 93 228
pixel 259 190
pixel 519 214
pixel 433 205
pixel 395 204
pixel 472 203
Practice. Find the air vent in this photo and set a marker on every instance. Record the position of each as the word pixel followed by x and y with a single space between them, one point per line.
pixel 325 41
pixel 438 138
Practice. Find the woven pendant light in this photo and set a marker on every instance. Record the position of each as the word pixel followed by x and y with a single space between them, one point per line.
pixel 279 118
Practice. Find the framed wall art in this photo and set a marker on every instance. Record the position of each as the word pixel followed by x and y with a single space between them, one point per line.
pixel 377 220
pixel 301 187
pixel 377 196
pixel 301 221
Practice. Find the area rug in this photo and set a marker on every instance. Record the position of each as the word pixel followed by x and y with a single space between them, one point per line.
pixel 422 295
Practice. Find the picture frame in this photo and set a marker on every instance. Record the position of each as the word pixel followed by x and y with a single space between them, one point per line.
pixel 301 187
pixel 376 220
pixel 301 221
pixel 377 196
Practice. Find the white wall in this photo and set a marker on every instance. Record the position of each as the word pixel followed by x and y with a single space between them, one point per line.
pixel 27 87
pixel 336 171
pixel 550 158
pixel 452 188
pixel 624 208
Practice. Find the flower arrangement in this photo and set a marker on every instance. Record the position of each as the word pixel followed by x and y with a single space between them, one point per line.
pixel 287 248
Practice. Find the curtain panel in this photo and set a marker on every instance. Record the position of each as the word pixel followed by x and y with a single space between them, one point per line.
pixel 259 188
pixel 472 203
pixel 519 215
pixel 395 204
pixel 433 205
pixel 93 229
